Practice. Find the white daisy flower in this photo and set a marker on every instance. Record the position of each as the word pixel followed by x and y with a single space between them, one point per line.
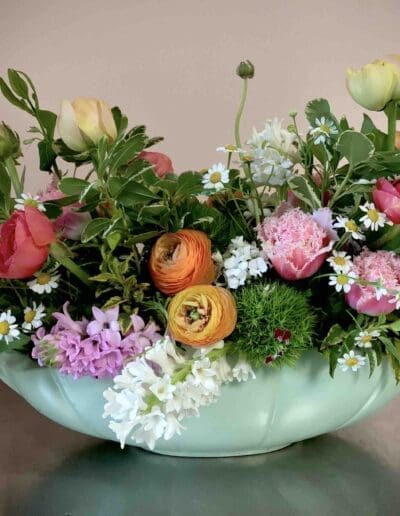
pixel 350 226
pixel 8 329
pixel 216 177
pixel 229 149
pixel 323 130
pixel 373 219
pixel 364 338
pixel 44 282
pixel 343 281
pixel 351 361
pixel 29 200
pixel 340 261
pixel 33 317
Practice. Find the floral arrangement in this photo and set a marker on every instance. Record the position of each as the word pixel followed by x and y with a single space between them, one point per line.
pixel 171 285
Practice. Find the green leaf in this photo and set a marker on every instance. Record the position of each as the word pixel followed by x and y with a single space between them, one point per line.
pixel 48 120
pixel 52 210
pixel 18 84
pixel 47 156
pixel 372 361
pixel 73 185
pixel 133 193
pixel 120 120
pixel 5 181
pixel 334 336
pixel 9 95
pixel 113 239
pixel 318 108
pixel 16 344
pixel 143 237
pixel 152 213
pixel 334 354
pixel 390 347
pixel 128 150
pixel 355 147
pixel 93 228
pixel 189 183
pixel 304 190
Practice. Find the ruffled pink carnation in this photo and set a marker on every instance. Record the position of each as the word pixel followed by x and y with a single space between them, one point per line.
pixel 297 243
pixel 102 353
pixel 379 267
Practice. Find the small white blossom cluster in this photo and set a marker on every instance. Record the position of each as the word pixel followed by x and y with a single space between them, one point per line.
pixel 242 261
pixel 157 390
pixel 273 152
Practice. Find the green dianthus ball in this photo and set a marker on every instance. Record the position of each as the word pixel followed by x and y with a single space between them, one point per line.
pixel 274 321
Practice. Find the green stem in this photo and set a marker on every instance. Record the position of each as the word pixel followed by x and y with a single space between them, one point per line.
pixel 341 187
pixel 393 232
pixel 240 112
pixel 15 180
pixel 391 113
pixel 58 252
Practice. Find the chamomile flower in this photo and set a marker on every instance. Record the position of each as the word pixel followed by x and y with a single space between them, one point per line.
pixel 323 130
pixel 350 226
pixel 8 329
pixel 216 177
pixel 342 281
pixel 340 261
pixel 33 317
pixel 373 219
pixel 351 361
pixel 364 338
pixel 44 282
pixel 29 200
pixel 229 149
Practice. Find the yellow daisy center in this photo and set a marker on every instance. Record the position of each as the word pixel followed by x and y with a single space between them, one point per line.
pixel 339 260
pixel 366 338
pixel 373 215
pixel 31 202
pixel 351 225
pixel 324 128
pixel 215 177
pixel 4 328
pixel 43 278
pixel 29 316
pixel 342 279
pixel 351 362
pixel 231 148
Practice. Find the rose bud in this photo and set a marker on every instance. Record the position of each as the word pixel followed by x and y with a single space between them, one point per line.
pixel 9 143
pixel 25 240
pixel 297 243
pixel 386 196
pixel 179 260
pixel 84 121
pixel 202 315
pixel 373 85
pixel 161 163
pixel 379 267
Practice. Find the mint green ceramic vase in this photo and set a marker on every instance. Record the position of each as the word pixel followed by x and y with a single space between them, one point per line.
pixel 279 407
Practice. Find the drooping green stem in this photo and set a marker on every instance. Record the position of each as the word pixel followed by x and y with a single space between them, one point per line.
pixel 13 173
pixel 240 112
pixel 391 113
pixel 58 252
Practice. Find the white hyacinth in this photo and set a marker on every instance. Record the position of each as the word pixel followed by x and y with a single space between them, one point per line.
pixel 273 153
pixel 157 390
pixel 242 261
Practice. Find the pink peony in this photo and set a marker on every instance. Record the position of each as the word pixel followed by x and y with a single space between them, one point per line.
pixel 386 196
pixel 71 222
pixel 297 243
pixel 379 266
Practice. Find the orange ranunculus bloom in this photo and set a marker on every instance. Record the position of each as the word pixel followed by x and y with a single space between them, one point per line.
pixel 179 260
pixel 202 315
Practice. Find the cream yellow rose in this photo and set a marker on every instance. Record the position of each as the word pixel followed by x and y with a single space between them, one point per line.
pixel 84 121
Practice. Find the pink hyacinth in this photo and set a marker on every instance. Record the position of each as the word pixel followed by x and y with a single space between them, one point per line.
pixel 71 222
pixel 297 243
pixel 381 267
pixel 70 348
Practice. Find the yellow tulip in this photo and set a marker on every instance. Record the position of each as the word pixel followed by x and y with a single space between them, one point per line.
pixel 373 85
pixel 84 121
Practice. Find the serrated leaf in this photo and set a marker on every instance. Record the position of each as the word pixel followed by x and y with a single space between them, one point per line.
pixel 391 348
pixel 128 150
pixel 305 191
pixel 94 228
pixel 133 193
pixel 73 185
pixel 318 108
pixel 355 147
pixel 143 237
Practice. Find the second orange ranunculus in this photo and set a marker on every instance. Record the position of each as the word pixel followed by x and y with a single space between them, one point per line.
pixel 179 260
pixel 202 315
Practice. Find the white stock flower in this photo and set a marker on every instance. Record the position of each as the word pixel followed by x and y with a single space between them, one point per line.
pixel 242 371
pixel 242 261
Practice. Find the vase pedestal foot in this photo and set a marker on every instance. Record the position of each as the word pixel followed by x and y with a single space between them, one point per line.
pixel 208 455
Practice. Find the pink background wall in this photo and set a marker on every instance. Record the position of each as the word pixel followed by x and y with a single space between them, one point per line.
pixel 170 64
